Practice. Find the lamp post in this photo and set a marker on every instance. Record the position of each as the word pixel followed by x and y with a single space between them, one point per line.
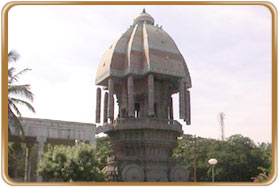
pixel 212 162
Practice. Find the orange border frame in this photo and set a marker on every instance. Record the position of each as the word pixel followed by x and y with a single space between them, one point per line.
pixel 4 45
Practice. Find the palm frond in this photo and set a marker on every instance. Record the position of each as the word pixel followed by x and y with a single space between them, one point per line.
pixel 23 103
pixel 14 121
pixel 22 71
pixel 16 76
pixel 23 90
pixel 12 56
pixel 11 72
pixel 13 108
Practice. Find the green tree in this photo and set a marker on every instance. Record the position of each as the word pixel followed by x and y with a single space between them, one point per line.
pixel 17 94
pixel 266 154
pixel 77 163
pixel 238 158
pixel 16 159
pixel 263 176
pixel 103 150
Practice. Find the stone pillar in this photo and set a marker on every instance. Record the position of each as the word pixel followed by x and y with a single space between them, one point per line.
pixel 105 120
pixel 110 100
pixel 131 99
pixel 27 167
pixel 171 108
pixel 150 95
pixel 188 108
pixel 118 101
pixel 165 97
pixel 41 141
pixel 181 99
pixel 98 105
pixel 124 100
pixel 145 106
pixel 112 108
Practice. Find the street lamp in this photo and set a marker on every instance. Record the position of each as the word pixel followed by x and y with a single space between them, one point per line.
pixel 212 162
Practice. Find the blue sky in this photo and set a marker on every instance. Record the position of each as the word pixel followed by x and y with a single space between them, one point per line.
pixel 227 50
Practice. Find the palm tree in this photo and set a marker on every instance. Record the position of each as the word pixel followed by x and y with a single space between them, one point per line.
pixel 17 95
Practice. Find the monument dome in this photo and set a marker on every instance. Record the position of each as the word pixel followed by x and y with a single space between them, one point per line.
pixel 144 48
pixel 144 17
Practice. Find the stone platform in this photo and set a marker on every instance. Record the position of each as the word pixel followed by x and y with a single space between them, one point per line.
pixel 143 150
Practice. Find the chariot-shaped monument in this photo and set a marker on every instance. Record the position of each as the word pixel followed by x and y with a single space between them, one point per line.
pixel 139 73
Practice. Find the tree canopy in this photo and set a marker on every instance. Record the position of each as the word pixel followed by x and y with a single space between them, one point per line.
pixel 103 150
pixel 77 163
pixel 239 159
pixel 18 94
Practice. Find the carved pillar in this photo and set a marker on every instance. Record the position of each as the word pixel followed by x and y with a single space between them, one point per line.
pixel 181 99
pixel 165 97
pixel 112 118
pixel 150 95
pixel 131 99
pixel 98 105
pixel 105 120
pixel 188 108
pixel 171 108
pixel 41 141
pixel 124 100
pixel 118 103
pixel 145 106
pixel 27 167
pixel 110 100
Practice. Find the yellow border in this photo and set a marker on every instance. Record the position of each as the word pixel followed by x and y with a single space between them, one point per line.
pixel 4 37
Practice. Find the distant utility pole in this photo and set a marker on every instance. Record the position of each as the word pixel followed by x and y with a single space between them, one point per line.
pixel 221 117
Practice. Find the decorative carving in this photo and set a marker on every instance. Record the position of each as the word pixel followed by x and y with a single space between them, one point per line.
pixel 178 174
pixel 157 175
pixel 132 173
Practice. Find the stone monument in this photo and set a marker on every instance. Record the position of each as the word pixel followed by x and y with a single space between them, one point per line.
pixel 141 71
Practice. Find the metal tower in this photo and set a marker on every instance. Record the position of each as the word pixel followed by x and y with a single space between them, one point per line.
pixel 221 117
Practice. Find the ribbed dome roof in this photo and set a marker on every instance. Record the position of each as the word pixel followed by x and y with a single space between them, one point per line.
pixel 143 48
pixel 144 17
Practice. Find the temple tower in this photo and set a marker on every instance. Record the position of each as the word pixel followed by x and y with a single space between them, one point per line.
pixel 140 72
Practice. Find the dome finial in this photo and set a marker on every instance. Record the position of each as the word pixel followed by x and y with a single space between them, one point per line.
pixel 144 18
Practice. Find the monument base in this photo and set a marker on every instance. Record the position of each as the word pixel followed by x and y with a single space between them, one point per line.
pixel 143 151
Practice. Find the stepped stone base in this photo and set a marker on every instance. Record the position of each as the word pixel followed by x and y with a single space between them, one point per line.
pixel 143 150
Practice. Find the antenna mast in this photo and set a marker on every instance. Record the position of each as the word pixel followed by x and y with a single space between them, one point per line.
pixel 221 117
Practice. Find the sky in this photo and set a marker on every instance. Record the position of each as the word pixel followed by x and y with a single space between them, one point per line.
pixel 227 50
